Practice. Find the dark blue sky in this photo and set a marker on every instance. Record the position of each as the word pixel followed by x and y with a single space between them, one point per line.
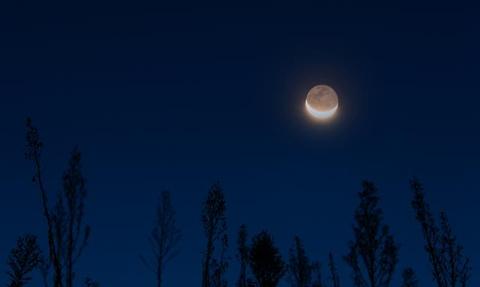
pixel 177 97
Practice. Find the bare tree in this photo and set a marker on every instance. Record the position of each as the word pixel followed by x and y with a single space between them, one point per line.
pixel 164 238
pixel 265 261
pixel 373 253
pixel 450 267
pixel 67 234
pixel 215 228
pixel 242 255
pixel 409 279
pixel 23 259
pixel 300 268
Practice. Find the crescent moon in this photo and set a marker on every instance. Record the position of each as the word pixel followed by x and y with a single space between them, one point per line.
pixel 321 102
pixel 320 114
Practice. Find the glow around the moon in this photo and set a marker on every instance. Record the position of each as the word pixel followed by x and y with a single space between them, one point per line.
pixel 321 102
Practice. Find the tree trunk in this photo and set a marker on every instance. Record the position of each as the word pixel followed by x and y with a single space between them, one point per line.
pixel 70 245
pixel 206 263
pixel 160 272
pixel 51 243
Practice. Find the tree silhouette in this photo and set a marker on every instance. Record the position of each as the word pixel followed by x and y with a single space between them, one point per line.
pixel 300 268
pixel 242 255
pixel 220 265
pixel 67 234
pixel 265 260
pixel 334 277
pixel 317 277
pixel 76 232
pixel 164 238
pixel 215 228
pixel 23 259
pixel 373 253
pixel 450 267
pixel 33 152
pixel 409 279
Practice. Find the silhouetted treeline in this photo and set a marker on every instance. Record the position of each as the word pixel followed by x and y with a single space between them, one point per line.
pixel 372 255
pixel 67 233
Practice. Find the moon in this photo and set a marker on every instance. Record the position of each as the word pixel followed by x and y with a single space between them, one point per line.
pixel 322 102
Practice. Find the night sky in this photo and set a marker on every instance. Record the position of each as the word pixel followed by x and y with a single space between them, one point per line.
pixel 171 97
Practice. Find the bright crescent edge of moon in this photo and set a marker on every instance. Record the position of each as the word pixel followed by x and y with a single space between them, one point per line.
pixel 320 114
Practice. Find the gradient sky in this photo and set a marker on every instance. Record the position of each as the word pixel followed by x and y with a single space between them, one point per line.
pixel 177 97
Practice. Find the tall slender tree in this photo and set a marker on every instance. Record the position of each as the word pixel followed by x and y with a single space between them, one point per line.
pixel 334 277
pixel 220 265
pixel 373 253
pixel 215 228
pixel 242 255
pixel 67 233
pixel 450 267
pixel 300 268
pixel 33 152
pixel 23 259
pixel 266 262
pixel 76 232
pixel 164 238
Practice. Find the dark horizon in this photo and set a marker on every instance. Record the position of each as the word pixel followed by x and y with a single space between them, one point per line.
pixel 170 98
